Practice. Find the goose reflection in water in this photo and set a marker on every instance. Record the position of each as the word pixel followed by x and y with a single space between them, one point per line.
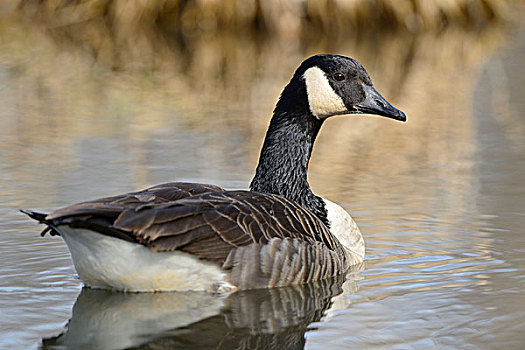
pixel 254 319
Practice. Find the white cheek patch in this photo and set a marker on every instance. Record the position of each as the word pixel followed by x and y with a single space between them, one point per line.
pixel 322 99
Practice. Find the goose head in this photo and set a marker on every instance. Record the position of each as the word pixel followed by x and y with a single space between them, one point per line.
pixel 338 85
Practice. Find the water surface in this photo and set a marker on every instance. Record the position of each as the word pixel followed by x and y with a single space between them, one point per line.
pixel 440 199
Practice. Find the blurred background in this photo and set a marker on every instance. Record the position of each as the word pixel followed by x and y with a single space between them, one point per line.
pixel 99 97
pixel 73 71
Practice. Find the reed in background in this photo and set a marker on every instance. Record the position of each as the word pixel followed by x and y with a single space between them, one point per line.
pixel 121 33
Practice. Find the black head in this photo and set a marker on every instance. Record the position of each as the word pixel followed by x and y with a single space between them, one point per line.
pixel 340 85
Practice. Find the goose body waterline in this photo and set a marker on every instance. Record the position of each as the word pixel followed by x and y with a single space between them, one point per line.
pixel 185 236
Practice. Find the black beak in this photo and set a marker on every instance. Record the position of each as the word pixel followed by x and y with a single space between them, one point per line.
pixel 377 104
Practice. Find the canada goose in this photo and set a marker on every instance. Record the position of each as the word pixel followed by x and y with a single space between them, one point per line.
pixel 185 236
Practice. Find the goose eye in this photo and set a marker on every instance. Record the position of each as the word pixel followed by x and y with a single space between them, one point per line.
pixel 339 77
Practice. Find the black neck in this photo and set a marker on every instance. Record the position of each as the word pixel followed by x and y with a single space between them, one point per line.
pixel 283 163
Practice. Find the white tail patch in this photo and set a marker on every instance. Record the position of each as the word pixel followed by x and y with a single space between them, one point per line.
pixel 344 228
pixel 322 99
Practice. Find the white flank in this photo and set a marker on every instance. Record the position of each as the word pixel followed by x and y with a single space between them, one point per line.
pixel 111 263
pixel 322 99
pixel 344 228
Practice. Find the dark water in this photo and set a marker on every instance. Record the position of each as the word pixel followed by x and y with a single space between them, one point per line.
pixel 440 200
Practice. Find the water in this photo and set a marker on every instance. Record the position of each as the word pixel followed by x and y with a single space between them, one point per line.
pixel 440 199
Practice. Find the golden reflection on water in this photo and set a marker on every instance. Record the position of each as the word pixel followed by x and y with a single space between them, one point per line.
pixel 61 95
pixel 73 127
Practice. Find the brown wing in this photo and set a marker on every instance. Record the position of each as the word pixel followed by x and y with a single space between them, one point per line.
pixel 203 220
